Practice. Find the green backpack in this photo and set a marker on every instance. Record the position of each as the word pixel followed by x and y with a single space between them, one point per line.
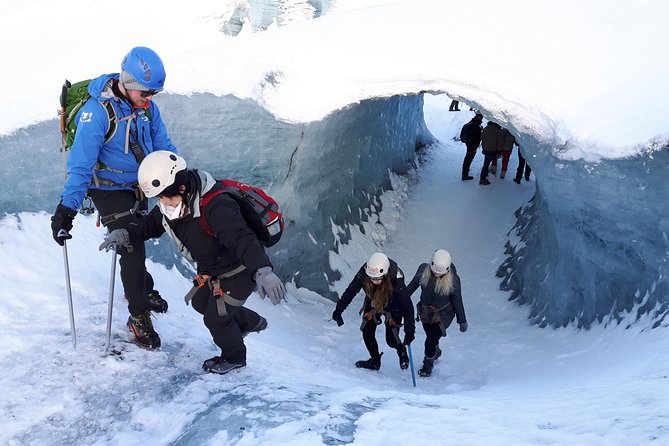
pixel 72 98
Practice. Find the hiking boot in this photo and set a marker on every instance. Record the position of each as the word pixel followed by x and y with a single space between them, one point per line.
pixel 258 328
pixel 426 369
pixel 527 178
pixel 404 358
pixel 503 174
pixel 428 364
pixel 516 180
pixel 156 303
pixel 142 327
pixel 484 182
pixel 221 366
pixel 371 363
pixel 209 363
pixel 467 178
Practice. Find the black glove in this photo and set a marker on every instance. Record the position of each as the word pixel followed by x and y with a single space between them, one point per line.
pixel 463 327
pixel 408 338
pixel 61 223
pixel 337 318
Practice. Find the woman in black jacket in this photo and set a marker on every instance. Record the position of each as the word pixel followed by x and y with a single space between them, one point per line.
pixel 440 302
pixel 231 263
pixel 383 283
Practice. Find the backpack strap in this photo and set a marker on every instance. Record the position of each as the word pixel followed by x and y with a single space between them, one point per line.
pixel 206 198
pixel 111 118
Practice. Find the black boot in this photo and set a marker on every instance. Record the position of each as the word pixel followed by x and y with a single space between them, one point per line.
pixel 156 303
pixel 221 366
pixel 426 369
pixel 373 363
pixel 142 327
pixel 428 364
pixel 404 358
pixel 258 328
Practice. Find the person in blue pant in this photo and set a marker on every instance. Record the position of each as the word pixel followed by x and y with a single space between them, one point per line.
pixel 440 302
pixel 104 168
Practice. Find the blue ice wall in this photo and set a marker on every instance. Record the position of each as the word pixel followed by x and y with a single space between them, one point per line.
pixel 593 242
pixel 320 173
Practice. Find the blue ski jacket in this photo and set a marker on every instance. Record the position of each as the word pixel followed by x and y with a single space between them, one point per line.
pixel 113 166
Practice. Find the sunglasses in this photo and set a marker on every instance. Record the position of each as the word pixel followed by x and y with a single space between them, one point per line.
pixel 147 93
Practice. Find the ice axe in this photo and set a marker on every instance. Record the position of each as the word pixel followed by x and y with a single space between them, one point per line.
pixel 64 233
pixel 111 296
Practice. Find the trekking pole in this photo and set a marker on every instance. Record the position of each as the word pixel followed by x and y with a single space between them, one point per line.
pixel 111 296
pixel 63 233
pixel 413 374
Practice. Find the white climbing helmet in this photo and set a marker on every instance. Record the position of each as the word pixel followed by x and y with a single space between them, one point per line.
pixel 377 266
pixel 441 262
pixel 158 171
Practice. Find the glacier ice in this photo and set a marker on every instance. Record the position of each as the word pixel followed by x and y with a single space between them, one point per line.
pixel 591 244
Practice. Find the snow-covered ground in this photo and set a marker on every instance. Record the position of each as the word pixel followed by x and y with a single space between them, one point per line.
pixel 503 382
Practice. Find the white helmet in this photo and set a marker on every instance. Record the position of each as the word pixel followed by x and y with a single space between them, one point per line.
pixel 158 171
pixel 377 266
pixel 441 262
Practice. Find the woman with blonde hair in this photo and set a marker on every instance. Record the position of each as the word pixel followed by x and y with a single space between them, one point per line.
pixel 383 283
pixel 440 302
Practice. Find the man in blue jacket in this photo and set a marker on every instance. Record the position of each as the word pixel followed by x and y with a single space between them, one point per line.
pixel 105 167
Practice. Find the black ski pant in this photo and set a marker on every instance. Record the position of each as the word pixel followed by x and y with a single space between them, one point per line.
pixel 226 330
pixel 434 332
pixel 369 337
pixel 467 163
pixel 522 165
pixel 137 282
pixel 490 158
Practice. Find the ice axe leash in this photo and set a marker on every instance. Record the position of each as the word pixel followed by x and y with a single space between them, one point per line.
pixel 111 296
pixel 413 373
pixel 63 233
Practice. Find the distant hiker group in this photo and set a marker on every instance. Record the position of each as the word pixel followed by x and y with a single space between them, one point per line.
pixel 496 142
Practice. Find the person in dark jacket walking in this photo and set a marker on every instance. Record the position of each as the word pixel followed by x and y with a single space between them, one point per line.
pixel 490 141
pixel 523 165
pixel 440 302
pixel 230 264
pixel 383 283
pixel 105 168
pixel 470 135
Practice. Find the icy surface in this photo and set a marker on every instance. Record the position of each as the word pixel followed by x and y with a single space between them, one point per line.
pixel 503 382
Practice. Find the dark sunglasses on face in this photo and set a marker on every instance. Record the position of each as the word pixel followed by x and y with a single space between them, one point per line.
pixel 147 93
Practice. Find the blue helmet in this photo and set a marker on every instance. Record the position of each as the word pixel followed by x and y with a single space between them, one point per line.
pixel 145 67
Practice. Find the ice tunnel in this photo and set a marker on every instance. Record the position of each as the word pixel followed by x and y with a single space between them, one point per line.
pixel 591 245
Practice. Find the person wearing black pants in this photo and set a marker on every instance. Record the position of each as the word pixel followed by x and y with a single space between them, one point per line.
pixel 231 261
pixel 440 302
pixel 383 284
pixel 522 166
pixel 117 126
pixel 490 142
pixel 470 135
